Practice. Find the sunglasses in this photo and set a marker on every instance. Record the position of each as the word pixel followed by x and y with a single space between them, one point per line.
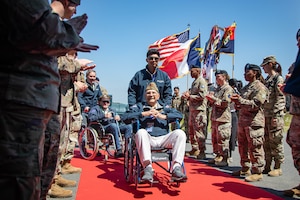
pixel 105 101
pixel 153 58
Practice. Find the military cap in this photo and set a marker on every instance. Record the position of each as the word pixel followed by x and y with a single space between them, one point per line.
pixel 152 86
pixel 104 98
pixel 253 67
pixel 75 1
pixel 232 82
pixel 195 66
pixel 268 59
pixel 298 34
pixel 224 72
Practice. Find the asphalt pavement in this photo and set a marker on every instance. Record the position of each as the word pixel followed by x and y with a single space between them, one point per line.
pixel 289 179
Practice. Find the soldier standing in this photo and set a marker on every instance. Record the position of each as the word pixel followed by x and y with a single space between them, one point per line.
pixel 293 136
pixel 251 124
pixel 221 118
pixel 197 113
pixel 274 113
pixel 71 83
pixel 176 103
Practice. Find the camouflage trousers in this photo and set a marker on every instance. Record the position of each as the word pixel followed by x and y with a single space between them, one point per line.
pixel 185 125
pixel 250 140
pixel 220 136
pixel 293 139
pixel 52 141
pixel 68 138
pixel 21 145
pixel 197 124
pixel 273 144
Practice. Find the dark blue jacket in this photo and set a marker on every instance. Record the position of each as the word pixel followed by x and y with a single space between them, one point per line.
pixel 293 83
pixel 90 97
pixel 97 114
pixel 159 126
pixel 138 84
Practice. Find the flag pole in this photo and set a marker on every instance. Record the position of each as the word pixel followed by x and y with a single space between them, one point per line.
pixel 187 76
pixel 233 66
pixel 187 82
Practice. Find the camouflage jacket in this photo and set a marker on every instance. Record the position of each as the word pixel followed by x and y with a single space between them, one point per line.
pixel 250 104
pixel 197 99
pixel 176 102
pixel 32 37
pixel 276 104
pixel 221 106
pixel 68 70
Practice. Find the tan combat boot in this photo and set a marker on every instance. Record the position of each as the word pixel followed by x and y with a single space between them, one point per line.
pixel 242 172
pixel 216 159
pixel 267 168
pixel 62 182
pixel 222 162
pixel 277 170
pixel 291 192
pixel 275 173
pixel 254 177
pixel 194 152
pixel 58 192
pixel 67 168
pixel 201 156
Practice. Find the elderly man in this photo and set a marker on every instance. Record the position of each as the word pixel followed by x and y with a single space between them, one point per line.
pixel 154 132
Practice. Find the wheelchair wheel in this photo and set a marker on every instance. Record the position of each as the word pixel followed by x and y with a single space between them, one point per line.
pixel 88 143
pixel 129 160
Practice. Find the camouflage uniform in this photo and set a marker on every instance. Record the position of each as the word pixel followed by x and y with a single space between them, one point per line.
pixel 274 110
pixel 51 153
pixel 70 108
pixel 30 91
pixel 176 103
pixel 184 107
pixel 251 126
pixel 293 137
pixel 197 114
pixel 221 120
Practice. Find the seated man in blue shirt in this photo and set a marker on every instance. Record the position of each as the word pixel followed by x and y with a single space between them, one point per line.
pixel 154 132
pixel 107 116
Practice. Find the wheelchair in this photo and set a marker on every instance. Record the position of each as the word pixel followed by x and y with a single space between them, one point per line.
pixel 94 139
pixel 133 169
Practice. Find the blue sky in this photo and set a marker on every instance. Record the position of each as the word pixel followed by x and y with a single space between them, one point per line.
pixel 124 30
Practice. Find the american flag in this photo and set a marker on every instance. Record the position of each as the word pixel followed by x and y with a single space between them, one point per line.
pixel 167 45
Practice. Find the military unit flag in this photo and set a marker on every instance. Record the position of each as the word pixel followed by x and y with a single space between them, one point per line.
pixel 178 52
pixel 227 43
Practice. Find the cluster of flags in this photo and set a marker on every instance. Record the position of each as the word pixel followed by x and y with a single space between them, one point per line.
pixel 178 52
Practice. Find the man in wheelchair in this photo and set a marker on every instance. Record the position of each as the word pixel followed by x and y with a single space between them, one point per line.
pixel 108 118
pixel 154 132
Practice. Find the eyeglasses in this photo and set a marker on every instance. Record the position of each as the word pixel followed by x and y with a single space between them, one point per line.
pixel 153 58
pixel 105 101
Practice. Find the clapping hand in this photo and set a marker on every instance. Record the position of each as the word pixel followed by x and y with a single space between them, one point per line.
pixel 83 47
pixel 234 97
pixel 78 22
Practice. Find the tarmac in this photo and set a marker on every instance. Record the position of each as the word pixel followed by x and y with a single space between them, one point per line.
pixel 275 185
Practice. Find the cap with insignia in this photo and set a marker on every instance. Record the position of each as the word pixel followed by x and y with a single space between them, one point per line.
pixel 253 67
pixel 75 1
pixel 224 72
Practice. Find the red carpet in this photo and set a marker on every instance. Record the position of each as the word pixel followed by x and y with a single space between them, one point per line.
pixel 106 181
